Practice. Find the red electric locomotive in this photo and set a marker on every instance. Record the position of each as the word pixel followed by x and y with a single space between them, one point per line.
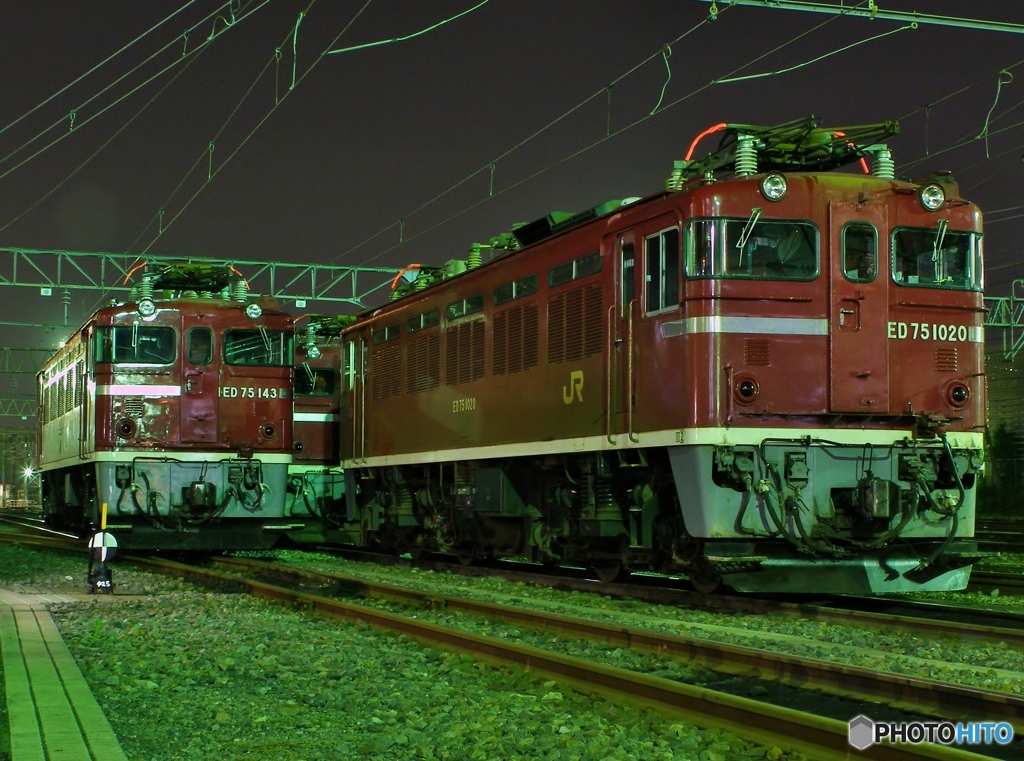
pixel 174 412
pixel 316 485
pixel 771 375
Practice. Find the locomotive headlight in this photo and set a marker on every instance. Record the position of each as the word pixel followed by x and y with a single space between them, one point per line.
pixel 932 196
pixel 774 186
pixel 147 307
pixel 253 311
pixel 746 390
pixel 958 394
pixel 313 351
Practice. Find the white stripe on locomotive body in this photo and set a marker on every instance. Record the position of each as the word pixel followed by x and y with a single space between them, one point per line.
pixel 315 417
pixel 166 455
pixel 777 326
pixel 138 389
pixel 674 438
pixel 780 326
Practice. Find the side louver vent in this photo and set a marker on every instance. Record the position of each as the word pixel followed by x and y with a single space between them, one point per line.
pixel 464 353
pixel 387 372
pixel 515 340
pixel 575 321
pixel 945 359
pixel 423 364
pixel 756 351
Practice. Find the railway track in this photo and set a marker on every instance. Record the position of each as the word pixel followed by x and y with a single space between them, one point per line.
pixel 1000 534
pixel 921 696
pixel 815 736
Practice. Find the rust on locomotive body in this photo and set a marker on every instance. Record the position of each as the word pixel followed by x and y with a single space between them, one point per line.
pixel 174 410
pixel 771 375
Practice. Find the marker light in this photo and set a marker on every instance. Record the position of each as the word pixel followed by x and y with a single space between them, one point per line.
pixel 774 186
pixel 147 307
pixel 253 311
pixel 932 197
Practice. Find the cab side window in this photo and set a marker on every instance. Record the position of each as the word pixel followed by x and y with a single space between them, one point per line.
pixel 200 346
pixel 860 252
pixel 662 271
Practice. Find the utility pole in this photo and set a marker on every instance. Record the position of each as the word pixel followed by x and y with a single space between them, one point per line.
pixel 870 10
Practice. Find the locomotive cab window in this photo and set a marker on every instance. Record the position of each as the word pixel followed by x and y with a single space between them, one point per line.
pixel 661 275
pixel 751 248
pixel 860 252
pixel 135 345
pixel 937 258
pixel 259 348
pixel 314 381
pixel 200 346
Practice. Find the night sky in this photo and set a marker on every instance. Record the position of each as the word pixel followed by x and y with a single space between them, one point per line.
pixel 368 137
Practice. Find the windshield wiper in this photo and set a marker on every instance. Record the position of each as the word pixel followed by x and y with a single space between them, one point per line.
pixel 940 238
pixel 748 228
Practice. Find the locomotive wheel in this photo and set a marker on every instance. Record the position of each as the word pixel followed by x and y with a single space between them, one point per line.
pixel 610 572
pixel 703 576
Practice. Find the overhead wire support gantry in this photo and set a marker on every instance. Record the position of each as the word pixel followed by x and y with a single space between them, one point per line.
pixel 286 281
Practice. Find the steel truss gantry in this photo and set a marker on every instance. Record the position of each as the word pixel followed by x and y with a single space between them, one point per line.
pixel 286 281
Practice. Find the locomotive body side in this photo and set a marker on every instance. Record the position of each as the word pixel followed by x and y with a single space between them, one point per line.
pixel 783 394
pixel 316 482
pixel 181 425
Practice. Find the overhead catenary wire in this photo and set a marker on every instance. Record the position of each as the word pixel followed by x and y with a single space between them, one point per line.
pixel 292 34
pixel 98 66
pixel 202 46
pixel 608 136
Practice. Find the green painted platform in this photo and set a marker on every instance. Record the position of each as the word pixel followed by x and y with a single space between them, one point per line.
pixel 53 714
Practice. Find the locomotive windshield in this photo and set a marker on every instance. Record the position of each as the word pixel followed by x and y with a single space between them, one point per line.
pixel 260 348
pixel 936 258
pixel 311 381
pixel 135 345
pixel 749 248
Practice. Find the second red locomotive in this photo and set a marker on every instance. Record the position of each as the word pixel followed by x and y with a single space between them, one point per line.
pixel 769 374
pixel 174 412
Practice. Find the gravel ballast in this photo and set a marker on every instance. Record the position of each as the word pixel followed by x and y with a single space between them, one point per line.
pixel 189 674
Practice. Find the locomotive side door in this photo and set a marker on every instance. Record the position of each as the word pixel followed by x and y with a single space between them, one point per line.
pixel 623 314
pixel 353 397
pixel 200 364
pixel 859 298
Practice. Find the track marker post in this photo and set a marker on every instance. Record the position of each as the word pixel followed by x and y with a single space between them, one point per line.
pixel 102 547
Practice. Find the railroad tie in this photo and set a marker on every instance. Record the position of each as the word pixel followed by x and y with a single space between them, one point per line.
pixel 52 712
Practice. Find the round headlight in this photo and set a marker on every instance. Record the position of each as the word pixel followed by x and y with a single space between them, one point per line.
pixel 932 197
pixel 313 351
pixel 774 186
pixel 147 307
pixel 958 394
pixel 746 390
pixel 253 311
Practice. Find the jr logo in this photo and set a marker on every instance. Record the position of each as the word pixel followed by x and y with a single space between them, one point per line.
pixel 575 387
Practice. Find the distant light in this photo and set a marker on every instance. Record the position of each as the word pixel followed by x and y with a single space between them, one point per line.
pixel 46 291
pixel 29 472
pixel 300 303
pixel 61 344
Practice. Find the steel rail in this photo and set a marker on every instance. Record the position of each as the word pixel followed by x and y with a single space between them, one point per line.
pixel 821 738
pixel 915 695
pixel 1006 583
